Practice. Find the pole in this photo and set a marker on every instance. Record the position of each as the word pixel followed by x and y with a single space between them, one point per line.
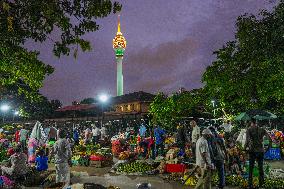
pixel 102 115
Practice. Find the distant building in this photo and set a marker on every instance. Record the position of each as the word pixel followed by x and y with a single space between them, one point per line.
pixel 133 105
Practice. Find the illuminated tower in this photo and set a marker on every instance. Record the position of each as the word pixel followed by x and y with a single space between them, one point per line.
pixel 119 45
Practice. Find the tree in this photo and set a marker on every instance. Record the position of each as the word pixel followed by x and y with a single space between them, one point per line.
pixel 22 20
pixel 55 104
pixel 169 110
pixel 39 109
pixel 249 71
pixel 88 101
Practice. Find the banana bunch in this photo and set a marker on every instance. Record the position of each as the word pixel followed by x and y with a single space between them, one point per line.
pixel 135 167
pixel 76 157
pixel 191 181
pixel 274 183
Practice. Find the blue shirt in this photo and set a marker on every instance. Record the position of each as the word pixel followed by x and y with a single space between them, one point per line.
pixel 76 135
pixel 142 131
pixel 159 133
pixel 41 163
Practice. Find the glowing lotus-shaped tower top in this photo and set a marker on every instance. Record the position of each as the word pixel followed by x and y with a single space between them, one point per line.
pixel 119 42
pixel 119 46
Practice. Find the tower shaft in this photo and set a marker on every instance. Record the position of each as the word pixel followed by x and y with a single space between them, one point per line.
pixel 119 76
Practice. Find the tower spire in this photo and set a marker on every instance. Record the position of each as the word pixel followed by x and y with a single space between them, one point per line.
pixel 118 25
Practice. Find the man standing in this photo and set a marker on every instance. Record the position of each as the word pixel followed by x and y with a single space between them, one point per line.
pixel 181 138
pixel 62 152
pixel 254 140
pixel 218 155
pixel 159 134
pixel 228 129
pixel 76 136
pixel 195 134
pixel 103 132
pixel 96 134
pixel 142 130
pixel 88 135
pixel 203 161
pixel 23 137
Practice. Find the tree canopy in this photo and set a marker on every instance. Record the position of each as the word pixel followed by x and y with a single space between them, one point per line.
pixel 89 101
pixel 169 110
pixel 249 71
pixel 39 109
pixel 22 20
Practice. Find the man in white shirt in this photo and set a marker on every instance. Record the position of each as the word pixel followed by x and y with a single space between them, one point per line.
pixel 103 132
pixel 203 160
pixel 195 134
pixel 227 127
pixel 96 134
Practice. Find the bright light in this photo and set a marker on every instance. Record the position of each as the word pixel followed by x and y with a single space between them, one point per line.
pixel 4 108
pixel 213 101
pixel 16 112
pixel 103 98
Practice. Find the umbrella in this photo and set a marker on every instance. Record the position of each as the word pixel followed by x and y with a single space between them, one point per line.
pixel 243 117
pixel 259 117
pixel 256 114
pixel 253 113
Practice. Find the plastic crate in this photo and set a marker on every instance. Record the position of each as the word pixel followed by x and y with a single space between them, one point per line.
pixel 175 168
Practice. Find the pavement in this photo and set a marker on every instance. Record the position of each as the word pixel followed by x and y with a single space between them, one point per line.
pixel 101 176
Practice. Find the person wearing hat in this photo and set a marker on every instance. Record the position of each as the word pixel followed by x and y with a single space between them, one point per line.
pixel 203 160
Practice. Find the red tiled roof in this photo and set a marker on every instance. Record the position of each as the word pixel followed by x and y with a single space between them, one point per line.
pixel 78 107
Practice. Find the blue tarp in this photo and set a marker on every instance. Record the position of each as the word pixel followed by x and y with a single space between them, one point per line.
pixel 273 154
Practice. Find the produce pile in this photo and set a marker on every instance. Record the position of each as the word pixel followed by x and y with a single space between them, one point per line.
pixel 239 181
pixel 83 154
pixel 3 154
pixel 134 167
pixel 86 149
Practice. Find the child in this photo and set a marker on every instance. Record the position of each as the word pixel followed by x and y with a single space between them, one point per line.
pixel 41 161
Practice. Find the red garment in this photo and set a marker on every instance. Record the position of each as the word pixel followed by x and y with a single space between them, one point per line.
pixel 138 139
pixel 150 141
pixel 10 151
pixel 17 136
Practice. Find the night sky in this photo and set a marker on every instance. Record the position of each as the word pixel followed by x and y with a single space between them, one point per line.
pixel 169 45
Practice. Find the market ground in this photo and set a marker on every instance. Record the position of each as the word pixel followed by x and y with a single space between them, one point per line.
pixel 101 176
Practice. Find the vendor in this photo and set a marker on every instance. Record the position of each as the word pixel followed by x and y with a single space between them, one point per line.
pixel 18 163
pixel 63 154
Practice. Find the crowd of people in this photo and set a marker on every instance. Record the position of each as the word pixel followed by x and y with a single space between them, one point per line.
pixel 212 153
pixel 206 147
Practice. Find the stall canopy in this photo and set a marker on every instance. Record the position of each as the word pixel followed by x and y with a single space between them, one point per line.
pixel 256 114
